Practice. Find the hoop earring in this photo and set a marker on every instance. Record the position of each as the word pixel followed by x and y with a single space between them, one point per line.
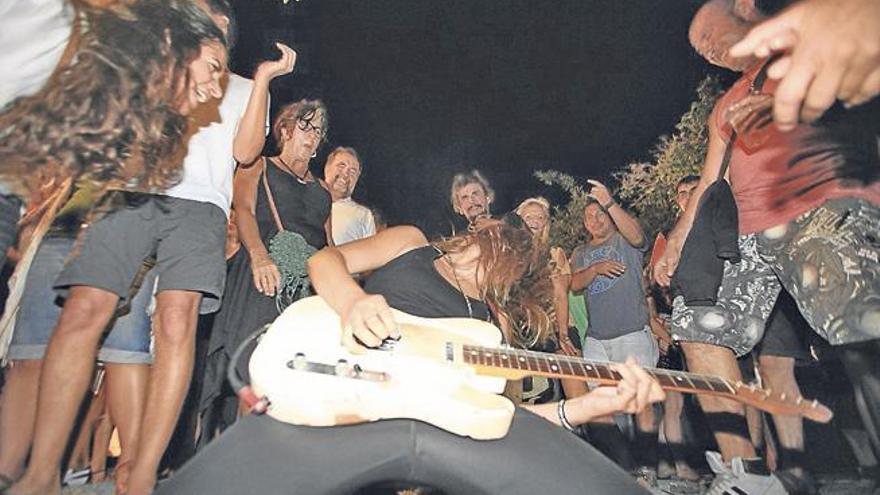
pixel 314 154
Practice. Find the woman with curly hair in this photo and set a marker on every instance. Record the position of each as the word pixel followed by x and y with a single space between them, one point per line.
pixel 116 114
pixel 475 275
pixel 117 110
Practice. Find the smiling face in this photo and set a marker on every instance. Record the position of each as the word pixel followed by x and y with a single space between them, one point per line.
pixel 341 173
pixel 597 222
pixel 535 217
pixel 472 202
pixel 205 73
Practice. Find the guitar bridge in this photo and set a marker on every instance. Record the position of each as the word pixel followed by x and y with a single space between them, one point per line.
pixel 342 369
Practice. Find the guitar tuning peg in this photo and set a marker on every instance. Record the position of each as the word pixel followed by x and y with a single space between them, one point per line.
pixel 799 400
pixel 782 396
pixel 767 392
pixel 815 404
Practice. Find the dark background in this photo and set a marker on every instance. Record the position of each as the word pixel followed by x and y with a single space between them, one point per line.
pixel 424 89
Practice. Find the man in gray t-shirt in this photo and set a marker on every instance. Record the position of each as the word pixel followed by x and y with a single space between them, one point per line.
pixel 608 269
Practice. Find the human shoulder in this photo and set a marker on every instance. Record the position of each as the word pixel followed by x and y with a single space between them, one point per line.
pixel 238 90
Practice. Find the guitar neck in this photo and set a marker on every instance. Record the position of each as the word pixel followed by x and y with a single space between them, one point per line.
pixel 514 364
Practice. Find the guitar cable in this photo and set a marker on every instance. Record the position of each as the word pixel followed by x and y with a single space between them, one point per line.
pixel 242 389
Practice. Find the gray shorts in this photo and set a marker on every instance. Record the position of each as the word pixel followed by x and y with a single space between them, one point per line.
pixel 639 344
pixel 186 237
pixel 827 259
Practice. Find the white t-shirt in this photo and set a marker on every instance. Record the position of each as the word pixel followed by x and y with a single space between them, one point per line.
pixel 33 35
pixel 209 166
pixel 351 221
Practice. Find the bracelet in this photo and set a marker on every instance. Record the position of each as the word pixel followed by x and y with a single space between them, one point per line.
pixel 560 411
pixel 607 206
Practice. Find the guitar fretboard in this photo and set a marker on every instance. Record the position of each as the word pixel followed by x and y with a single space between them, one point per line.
pixel 538 363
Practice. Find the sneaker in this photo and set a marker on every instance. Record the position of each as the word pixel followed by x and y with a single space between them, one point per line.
pixel 735 480
pixel 76 477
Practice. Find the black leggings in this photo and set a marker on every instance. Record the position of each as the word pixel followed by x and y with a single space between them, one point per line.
pixel 261 455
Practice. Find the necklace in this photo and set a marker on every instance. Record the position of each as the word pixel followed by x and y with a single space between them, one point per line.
pixel 467 300
pixel 289 170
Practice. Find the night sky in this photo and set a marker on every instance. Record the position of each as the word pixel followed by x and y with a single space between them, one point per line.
pixel 427 88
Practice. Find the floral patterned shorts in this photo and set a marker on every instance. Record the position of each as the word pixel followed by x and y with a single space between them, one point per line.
pixel 827 259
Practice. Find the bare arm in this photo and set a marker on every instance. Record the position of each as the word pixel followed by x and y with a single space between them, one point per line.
pixel 632 394
pixel 266 275
pixel 251 134
pixel 668 262
pixel 626 224
pixel 364 316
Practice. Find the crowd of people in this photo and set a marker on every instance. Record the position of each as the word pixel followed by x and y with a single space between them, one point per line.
pixel 155 239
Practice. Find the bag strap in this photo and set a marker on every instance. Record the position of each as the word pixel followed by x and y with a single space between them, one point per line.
pixel 754 88
pixel 271 198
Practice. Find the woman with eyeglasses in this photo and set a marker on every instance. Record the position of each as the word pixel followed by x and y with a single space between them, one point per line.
pixel 486 274
pixel 274 194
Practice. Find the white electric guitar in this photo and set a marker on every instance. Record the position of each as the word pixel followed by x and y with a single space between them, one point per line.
pixel 448 372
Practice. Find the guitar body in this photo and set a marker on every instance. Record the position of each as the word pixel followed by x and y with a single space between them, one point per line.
pixel 297 367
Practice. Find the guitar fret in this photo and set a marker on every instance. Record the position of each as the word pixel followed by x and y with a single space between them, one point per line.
pixel 551 364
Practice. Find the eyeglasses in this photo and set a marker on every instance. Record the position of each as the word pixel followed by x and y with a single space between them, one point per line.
pixel 306 126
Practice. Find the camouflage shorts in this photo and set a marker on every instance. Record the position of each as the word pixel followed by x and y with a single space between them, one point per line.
pixel 827 259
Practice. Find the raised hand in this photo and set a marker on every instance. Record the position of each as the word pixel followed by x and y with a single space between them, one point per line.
pixel 599 192
pixel 833 53
pixel 270 69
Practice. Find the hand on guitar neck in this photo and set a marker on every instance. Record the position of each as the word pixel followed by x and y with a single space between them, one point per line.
pixel 635 391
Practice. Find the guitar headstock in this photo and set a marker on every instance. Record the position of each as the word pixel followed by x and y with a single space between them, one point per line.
pixel 780 403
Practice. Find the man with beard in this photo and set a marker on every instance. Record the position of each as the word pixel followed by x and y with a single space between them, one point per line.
pixel 350 220
pixel 471 196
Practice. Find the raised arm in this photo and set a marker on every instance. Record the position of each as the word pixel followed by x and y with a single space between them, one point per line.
pixel 251 134
pixel 626 224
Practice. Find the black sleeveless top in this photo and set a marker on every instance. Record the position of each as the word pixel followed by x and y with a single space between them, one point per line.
pixel 411 283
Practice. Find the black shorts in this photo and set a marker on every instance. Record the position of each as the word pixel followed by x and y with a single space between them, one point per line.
pixel 186 237
pixel 786 333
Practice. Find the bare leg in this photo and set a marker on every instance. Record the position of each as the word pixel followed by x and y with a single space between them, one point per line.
pixel 673 409
pixel 713 359
pixel 778 375
pixel 102 430
pixel 174 326
pixel 18 406
pixel 67 370
pixel 81 452
pixel 126 388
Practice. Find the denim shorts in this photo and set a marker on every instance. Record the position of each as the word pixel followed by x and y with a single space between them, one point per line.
pixel 128 342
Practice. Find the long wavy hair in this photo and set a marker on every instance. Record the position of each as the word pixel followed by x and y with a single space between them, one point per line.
pixel 112 111
pixel 514 286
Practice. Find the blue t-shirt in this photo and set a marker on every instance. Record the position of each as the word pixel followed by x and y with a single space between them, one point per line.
pixel 616 304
